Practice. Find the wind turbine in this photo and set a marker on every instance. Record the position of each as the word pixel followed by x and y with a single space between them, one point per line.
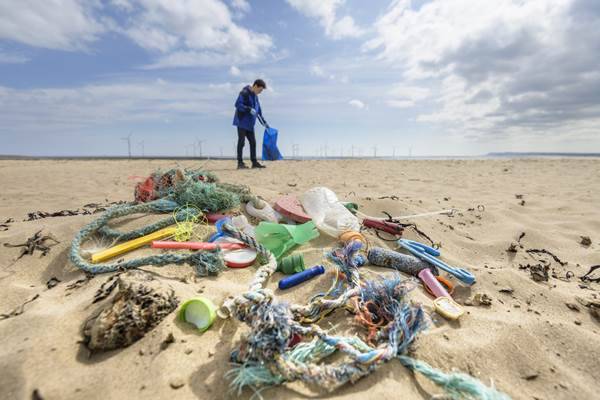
pixel 200 147
pixel 128 140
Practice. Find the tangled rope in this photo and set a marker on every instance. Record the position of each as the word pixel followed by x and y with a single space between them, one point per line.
pixel 265 357
pixel 185 194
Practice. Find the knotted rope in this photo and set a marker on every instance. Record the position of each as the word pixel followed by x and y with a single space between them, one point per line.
pixel 264 358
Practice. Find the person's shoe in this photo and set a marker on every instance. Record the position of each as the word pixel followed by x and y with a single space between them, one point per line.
pixel 257 165
pixel 242 166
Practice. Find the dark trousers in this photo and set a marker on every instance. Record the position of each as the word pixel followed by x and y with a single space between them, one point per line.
pixel 242 135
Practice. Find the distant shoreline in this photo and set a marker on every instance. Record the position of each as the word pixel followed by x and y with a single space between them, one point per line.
pixel 495 155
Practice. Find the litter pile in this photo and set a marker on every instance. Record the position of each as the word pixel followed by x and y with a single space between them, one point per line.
pixel 285 342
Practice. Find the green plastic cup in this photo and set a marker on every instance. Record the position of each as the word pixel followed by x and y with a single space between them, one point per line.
pixel 198 311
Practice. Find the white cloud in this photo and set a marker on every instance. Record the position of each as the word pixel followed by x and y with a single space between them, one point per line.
pixel 320 72
pixel 180 32
pixel 317 70
pixel 235 71
pixel 499 67
pixel 404 96
pixel 325 11
pixel 240 5
pixel 122 4
pixel 7 58
pixel 43 111
pixel 152 38
pixel 357 104
pixel 188 33
pixel 61 25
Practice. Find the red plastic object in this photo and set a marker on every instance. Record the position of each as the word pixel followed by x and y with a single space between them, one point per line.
pixel 232 264
pixel 294 340
pixel 165 244
pixel 144 191
pixel 290 207
pixel 239 259
pixel 384 226
pixel 212 218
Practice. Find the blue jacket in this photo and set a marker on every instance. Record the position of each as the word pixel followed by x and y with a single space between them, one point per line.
pixel 246 100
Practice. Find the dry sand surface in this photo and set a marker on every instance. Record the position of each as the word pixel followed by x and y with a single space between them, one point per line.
pixel 528 342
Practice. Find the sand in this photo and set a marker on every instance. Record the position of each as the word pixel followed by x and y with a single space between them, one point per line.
pixel 528 342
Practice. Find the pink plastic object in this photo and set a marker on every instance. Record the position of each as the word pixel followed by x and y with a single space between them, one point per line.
pixel 432 283
pixel 164 244
pixel 212 218
pixel 290 207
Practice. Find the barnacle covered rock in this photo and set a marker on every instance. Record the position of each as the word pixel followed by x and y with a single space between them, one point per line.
pixel 140 303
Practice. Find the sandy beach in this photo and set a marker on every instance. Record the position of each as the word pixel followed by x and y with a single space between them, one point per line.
pixel 536 340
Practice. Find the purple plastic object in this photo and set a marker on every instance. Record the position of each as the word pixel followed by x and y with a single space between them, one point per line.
pixel 432 283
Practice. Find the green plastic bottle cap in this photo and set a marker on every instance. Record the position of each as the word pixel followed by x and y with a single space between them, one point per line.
pixel 292 264
pixel 198 311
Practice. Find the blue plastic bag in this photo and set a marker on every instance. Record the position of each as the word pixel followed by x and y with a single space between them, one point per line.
pixel 270 151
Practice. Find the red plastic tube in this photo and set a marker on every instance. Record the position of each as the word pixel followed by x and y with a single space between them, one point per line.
pixel 165 244
pixel 389 227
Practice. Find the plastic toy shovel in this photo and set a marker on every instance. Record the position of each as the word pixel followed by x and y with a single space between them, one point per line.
pixel 430 254
pixel 280 238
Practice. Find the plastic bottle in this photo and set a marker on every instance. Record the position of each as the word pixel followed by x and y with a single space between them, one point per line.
pixel 326 211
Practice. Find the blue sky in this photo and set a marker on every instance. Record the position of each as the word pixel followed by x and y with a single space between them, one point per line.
pixel 439 77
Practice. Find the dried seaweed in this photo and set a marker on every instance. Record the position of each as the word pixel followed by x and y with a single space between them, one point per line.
pixel 5 225
pixel 512 248
pixel 421 233
pixel 52 282
pixel 19 310
pixel 106 288
pixel 35 215
pixel 544 251
pixel 36 242
pixel 585 241
pixel 538 272
pixel 88 209
pixel 80 282
pixel 588 278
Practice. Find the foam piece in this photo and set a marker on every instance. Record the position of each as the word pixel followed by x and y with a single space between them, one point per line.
pixel 290 207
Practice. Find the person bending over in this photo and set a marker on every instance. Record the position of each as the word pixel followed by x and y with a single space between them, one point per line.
pixel 247 111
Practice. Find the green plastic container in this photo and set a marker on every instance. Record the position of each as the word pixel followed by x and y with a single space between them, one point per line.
pixel 280 238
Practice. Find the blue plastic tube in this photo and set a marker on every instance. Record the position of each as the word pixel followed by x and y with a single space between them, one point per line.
pixel 300 277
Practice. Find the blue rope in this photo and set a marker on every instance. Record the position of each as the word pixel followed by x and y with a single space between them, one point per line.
pixel 457 385
pixel 205 263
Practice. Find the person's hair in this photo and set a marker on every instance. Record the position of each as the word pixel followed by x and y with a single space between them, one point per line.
pixel 260 83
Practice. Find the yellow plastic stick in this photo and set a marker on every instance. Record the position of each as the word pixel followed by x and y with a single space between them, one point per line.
pixel 132 244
